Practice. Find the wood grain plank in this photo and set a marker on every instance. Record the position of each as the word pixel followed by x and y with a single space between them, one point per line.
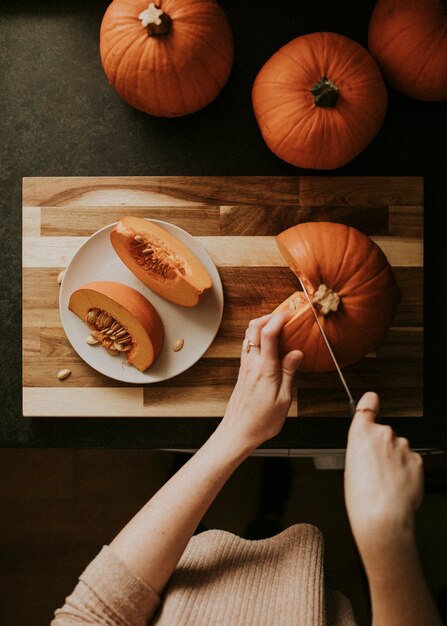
pixel 249 292
pixel 398 373
pixel 82 402
pixel 225 251
pixel 331 403
pixel 271 220
pixel 41 371
pixel 84 221
pixel 147 190
pixel 406 221
pixel 254 291
pixel 263 251
pixel 410 310
pixel 371 191
pixel 402 343
pixel 206 401
pixel 52 343
pixel 31 219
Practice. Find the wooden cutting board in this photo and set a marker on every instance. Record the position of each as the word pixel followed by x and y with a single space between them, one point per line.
pixel 236 219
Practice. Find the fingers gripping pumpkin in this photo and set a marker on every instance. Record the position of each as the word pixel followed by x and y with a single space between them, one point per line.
pixel 351 285
pixel 319 101
pixel 167 58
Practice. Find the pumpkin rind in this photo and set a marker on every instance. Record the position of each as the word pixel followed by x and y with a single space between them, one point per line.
pixel 354 267
pixel 294 126
pixel 131 309
pixel 171 74
pixel 408 38
pixel 184 288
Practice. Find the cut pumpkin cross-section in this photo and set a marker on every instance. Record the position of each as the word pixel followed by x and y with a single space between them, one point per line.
pixel 120 319
pixel 160 260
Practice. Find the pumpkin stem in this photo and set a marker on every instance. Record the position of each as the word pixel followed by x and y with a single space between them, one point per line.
pixel 325 300
pixel 155 20
pixel 325 93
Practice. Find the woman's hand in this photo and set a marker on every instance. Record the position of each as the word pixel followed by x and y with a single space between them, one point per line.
pixel 383 483
pixel 261 398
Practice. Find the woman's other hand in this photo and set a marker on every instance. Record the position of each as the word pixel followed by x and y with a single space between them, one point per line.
pixel 383 483
pixel 261 398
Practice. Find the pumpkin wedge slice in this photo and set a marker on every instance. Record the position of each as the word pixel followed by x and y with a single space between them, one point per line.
pixel 121 319
pixel 160 260
pixel 352 288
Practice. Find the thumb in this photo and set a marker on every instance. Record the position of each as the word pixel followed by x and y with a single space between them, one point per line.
pixel 289 365
pixel 368 408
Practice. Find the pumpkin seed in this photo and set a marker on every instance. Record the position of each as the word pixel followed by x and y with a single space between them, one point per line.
pixel 121 333
pixel 91 316
pixel 124 339
pixel 139 238
pixel 60 277
pixel 178 345
pixel 63 374
pixel 92 341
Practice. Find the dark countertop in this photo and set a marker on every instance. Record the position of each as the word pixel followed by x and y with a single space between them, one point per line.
pixel 61 118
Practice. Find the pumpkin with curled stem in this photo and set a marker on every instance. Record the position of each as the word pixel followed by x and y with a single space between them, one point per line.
pixel 408 38
pixel 319 101
pixel 167 58
pixel 351 286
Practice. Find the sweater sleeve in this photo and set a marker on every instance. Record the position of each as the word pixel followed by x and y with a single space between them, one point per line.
pixel 108 593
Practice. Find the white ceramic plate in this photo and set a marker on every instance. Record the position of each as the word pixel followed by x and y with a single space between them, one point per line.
pixel 97 260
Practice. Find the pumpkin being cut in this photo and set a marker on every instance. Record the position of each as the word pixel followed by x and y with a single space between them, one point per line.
pixel 319 101
pixel 408 38
pixel 121 320
pixel 351 285
pixel 166 59
pixel 160 260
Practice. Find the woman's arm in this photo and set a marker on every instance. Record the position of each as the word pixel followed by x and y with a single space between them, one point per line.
pixel 383 489
pixel 153 541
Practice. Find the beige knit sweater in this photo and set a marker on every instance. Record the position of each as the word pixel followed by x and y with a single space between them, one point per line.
pixel 221 580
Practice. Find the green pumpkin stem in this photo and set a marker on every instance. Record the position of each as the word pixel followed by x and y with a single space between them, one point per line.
pixel 156 21
pixel 325 93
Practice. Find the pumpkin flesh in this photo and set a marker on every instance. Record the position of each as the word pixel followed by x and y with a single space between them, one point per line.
pixel 296 125
pixel 131 309
pixel 169 268
pixel 351 265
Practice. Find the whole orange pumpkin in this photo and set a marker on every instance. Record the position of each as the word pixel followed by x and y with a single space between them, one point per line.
pixel 408 38
pixel 319 100
pixel 166 59
pixel 351 285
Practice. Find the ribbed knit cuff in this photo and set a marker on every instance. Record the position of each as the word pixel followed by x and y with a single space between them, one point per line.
pixel 119 589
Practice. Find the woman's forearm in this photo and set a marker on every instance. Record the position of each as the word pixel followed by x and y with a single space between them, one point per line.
pixel 153 541
pixel 399 592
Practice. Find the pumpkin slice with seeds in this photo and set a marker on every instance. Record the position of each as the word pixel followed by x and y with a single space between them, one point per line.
pixel 160 260
pixel 120 319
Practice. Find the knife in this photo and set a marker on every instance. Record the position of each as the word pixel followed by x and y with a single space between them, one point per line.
pixel 352 402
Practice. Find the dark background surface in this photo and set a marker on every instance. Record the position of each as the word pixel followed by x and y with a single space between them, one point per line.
pixel 59 117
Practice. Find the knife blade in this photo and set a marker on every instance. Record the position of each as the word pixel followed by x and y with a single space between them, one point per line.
pixel 352 402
